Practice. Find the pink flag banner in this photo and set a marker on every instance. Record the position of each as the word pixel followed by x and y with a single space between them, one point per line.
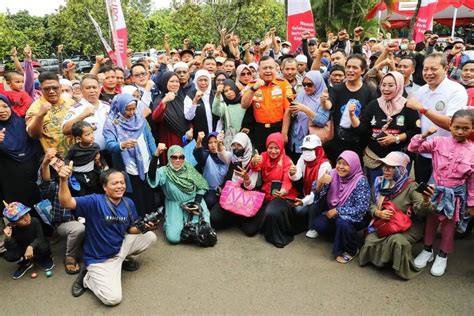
pixel 424 20
pixel 107 47
pixel 119 30
pixel 300 19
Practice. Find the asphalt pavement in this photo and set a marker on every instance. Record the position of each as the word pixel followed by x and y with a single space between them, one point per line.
pixel 242 276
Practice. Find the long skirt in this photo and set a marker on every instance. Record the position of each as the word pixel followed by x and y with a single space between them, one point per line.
pixel 143 195
pixel 250 226
pixel 395 249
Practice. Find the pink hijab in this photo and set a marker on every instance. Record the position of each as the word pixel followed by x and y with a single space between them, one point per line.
pixel 341 188
pixel 396 103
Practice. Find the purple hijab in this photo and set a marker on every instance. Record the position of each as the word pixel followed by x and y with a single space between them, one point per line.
pixel 341 188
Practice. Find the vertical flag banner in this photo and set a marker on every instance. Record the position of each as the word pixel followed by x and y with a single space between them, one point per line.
pixel 299 19
pixel 119 30
pixel 103 40
pixel 424 19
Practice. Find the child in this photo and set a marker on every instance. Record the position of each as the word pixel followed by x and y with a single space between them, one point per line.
pixel 20 100
pixel 453 163
pixel 86 157
pixel 24 240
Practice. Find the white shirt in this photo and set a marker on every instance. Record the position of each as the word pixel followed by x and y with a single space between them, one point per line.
pixel 97 120
pixel 446 99
pixel 132 168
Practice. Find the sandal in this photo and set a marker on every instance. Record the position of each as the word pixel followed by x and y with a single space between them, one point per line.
pixel 346 257
pixel 71 266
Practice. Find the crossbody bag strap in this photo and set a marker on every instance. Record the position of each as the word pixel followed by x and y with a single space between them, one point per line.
pixel 112 208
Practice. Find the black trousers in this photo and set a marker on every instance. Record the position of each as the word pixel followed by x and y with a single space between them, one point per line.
pixel 261 132
pixel 221 219
pixel 143 196
pixel 41 252
pixel 423 169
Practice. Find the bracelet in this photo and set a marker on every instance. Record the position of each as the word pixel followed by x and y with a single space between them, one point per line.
pixel 423 111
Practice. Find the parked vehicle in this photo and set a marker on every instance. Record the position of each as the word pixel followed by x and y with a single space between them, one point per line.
pixel 50 64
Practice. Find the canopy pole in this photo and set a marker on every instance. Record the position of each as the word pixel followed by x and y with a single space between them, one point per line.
pixel 454 21
pixel 379 17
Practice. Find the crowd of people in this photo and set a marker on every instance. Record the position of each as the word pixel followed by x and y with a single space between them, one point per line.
pixel 278 140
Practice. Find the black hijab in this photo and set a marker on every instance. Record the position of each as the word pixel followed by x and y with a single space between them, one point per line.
pixel 238 97
pixel 174 112
pixel 17 144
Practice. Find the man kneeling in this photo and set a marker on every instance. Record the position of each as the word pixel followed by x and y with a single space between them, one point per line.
pixel 107 247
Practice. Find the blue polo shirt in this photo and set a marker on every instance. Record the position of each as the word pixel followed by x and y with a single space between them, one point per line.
pixel 105 230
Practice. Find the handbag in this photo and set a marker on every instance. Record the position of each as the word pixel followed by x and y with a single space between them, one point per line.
pixel 325 133
pixel 398 223
pixel 240 201
pixel 229 132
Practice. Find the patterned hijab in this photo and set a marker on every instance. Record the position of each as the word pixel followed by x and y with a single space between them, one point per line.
pixel 243 140
pixel 187 179
pixel 396 103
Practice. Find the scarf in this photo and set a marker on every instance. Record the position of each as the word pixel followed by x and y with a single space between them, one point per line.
pixel 384 187
pixel 238 71
pixel 120 128
pixel 16 145
pixel 341 188
pixel 217 74
pixel 310 100
pixel 243 140
pixel 174 112
pixel 312 169
pixel 203 73
pixel 230 83
pixel 187 179
pixel 214 156
pixel 270 165
pixel 396 103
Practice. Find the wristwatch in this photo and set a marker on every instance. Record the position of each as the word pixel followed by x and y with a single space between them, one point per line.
pixel 397 139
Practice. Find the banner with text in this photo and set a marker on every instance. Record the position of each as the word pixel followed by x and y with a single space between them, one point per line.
pixel 424 20
pixel 119 30
pixel 299 19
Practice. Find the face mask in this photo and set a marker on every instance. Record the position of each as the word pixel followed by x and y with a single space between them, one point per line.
pixel 308 155
pixel 285 51
pixel 468 83
pixel 238 152
pixel 66 95
pixel 403 46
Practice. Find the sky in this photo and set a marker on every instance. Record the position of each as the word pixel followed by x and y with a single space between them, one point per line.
pixel 42 7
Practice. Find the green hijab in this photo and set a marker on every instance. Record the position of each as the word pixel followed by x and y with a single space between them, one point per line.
pixel 187 179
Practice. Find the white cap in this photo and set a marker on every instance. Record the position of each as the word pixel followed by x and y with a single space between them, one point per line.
pixel 372 39
pixel 286 43
pixel 180 64
pixel 311 142
pixel 65 82
pixel 220 60
pixel 301 59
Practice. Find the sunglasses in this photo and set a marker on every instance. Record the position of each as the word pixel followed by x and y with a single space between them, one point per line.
pixel 245 74
pixel 308 84
pixel 180 157
pixel 52 88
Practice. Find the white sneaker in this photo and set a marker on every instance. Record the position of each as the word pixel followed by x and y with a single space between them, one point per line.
pixel 423 258
pixel 439 266
pixel 312 233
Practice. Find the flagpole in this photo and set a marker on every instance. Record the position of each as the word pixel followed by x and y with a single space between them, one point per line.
pixel 454 21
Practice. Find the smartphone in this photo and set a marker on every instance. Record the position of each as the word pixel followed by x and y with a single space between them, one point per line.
pixel 276 186
pixel 380 135
pixel 238 165
pixel 421 187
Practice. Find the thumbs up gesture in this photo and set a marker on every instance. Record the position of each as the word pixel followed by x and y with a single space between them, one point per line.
pixel 2 135
pixel 66 171
pixel 257 158
pixel 292 170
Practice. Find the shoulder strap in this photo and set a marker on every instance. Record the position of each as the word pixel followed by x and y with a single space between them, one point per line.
pixel 402 188
pixel 112 208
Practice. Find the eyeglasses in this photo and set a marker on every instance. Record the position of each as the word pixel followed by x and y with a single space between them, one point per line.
pixel 140 74
pixel 180 157
pixel 312 44
pixel 387 167
pixel 245 74
pixel 308 84
pixel 52 88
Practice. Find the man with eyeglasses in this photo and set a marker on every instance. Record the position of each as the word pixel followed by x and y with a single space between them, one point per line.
pixel 45 116
pixel 140 77
pixel 181 69
pixel 90 109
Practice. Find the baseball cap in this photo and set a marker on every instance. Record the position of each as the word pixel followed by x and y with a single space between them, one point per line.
pixel 14 211
pixel 311 142
pixel 457 40
pixel 220 60
pixel 286 43
pixel 302 59
pixel 372 39
pixel 186 51
pixel 396 159
pixel 313 41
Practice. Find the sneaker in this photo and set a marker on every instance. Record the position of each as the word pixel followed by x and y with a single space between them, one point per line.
pixel 130 265
pixel 312 233
pixel 439 266
pixel 22 269
pixel 423 258
pixel 47 264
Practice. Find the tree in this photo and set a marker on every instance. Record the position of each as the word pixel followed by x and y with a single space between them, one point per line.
pixel 143 6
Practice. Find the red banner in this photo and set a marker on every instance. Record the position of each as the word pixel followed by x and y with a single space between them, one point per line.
pixel 424 19
pixel 119 30
pixel 300 19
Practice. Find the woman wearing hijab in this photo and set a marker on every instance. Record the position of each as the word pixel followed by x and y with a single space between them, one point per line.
pixel 168 114
pixel 197 106
pixel 19 158
pixel 347 195
pixel 227 105
pixel 219 78
pixel 396 186
pixel 311 166
pixel 243 76
pixel 213 168
pixel 239 161
pixel 181 183
pixel 307 110
pixel 281 222
pixel 129 140
pixel 387 122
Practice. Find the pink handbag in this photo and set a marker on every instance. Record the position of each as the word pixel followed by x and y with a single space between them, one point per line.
pixel 240 201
